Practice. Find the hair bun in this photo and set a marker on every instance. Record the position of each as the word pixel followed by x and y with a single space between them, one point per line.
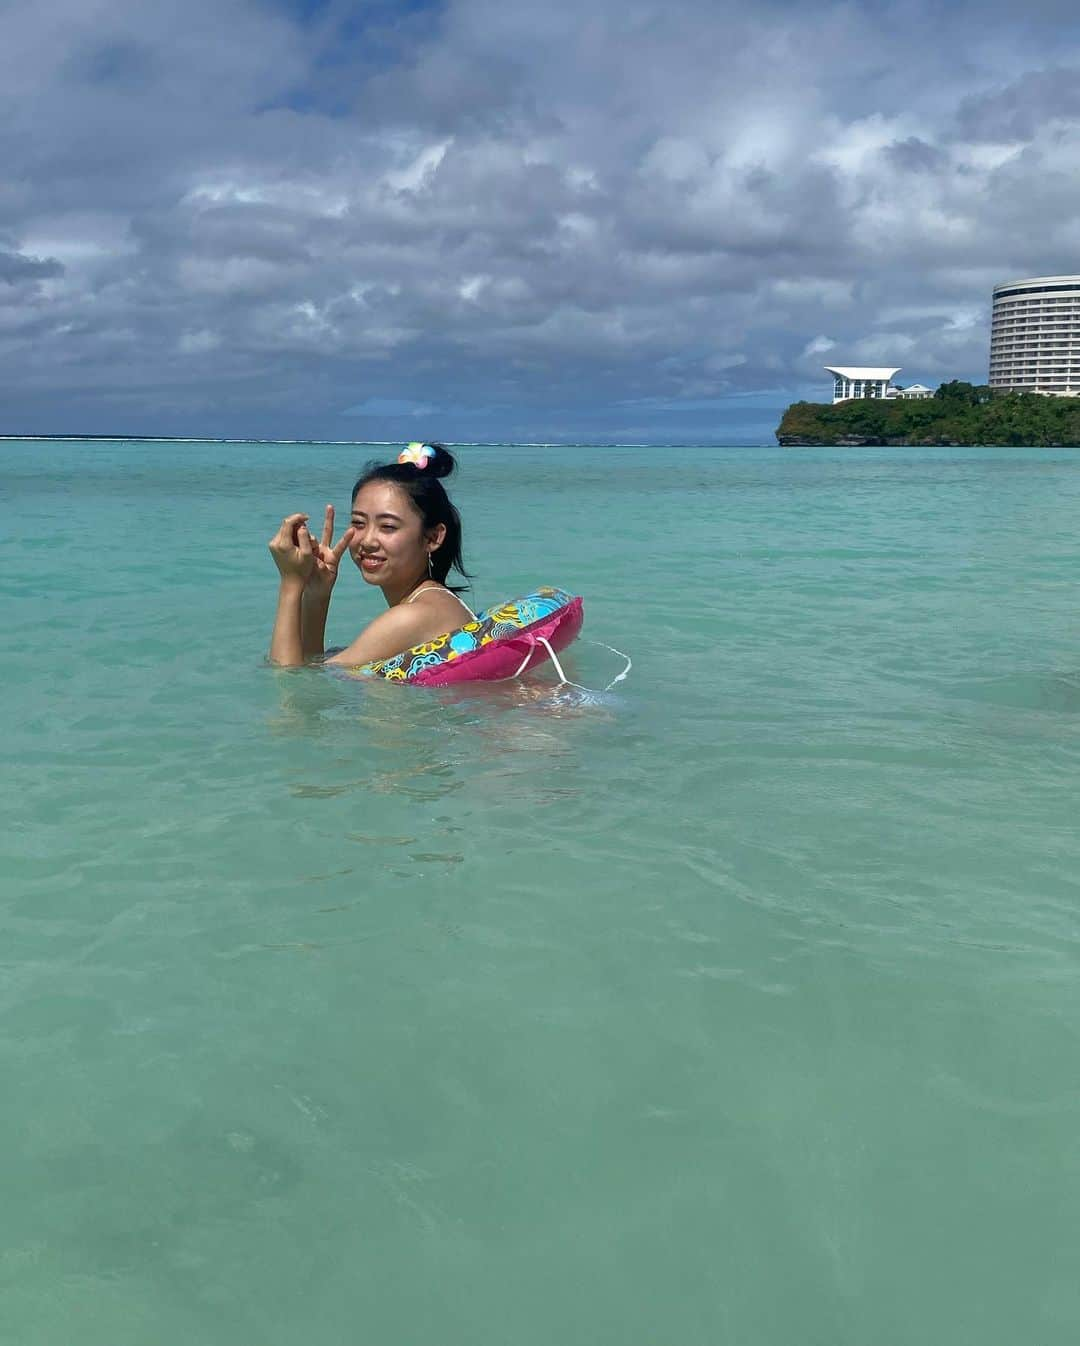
pixel 433 460
pixel 443 463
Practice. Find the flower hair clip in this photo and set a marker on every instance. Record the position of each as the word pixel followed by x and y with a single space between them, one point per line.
pixel 417 454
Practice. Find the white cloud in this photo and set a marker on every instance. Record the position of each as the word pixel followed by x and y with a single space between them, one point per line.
pixel 572 204
pixel 198 343
pixel 419 168
pixel 827 293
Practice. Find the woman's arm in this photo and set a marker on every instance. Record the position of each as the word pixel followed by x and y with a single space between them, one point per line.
pixel 308 572
pixel 291 549
pixel 313 610
pixel 286 645
pixel 320 587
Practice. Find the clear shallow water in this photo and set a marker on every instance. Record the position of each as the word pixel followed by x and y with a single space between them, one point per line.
pixel 740 1007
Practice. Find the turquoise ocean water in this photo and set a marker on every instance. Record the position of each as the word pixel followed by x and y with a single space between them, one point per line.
pixel 740 1006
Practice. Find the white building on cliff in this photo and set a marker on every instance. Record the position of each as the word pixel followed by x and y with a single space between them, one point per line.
pixel 851 381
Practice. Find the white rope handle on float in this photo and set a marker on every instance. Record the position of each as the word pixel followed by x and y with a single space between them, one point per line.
pixel 629 663
pixel 563 679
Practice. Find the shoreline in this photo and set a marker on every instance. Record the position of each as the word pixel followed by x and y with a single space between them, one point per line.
pixel 876 442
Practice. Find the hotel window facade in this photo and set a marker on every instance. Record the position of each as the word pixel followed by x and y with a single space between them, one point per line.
pixel 1035 336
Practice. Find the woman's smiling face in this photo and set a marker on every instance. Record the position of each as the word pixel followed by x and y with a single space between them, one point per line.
pixel 388 543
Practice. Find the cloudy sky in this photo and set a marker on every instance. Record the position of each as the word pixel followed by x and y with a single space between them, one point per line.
pixel 485 219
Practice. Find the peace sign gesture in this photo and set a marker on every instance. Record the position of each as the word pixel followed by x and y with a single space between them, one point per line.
pixel 324 572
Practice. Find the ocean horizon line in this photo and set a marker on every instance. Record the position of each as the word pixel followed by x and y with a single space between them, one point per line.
pixel 344 443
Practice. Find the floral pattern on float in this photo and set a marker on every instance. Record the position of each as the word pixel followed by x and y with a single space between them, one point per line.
pixel 505 633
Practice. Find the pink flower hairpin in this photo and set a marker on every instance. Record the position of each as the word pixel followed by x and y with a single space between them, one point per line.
pixel 417 454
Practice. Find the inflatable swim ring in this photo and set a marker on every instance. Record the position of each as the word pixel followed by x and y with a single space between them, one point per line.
pixel 503 642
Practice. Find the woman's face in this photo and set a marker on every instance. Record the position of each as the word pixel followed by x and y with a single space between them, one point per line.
pixel 388 543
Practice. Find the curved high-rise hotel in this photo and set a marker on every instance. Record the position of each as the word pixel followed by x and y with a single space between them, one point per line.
pixel 1035 336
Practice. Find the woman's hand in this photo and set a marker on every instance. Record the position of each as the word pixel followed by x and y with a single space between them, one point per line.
pixel 292 550
pixel 327 556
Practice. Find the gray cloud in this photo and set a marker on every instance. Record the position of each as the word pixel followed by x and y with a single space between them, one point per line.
pixel 1023 109
pixel 15 267
pixel 915 156
pixel 617 219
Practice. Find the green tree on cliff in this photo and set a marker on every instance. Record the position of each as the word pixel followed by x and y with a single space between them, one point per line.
pixel 958 413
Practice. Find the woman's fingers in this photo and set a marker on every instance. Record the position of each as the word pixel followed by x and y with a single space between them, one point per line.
pixel 291 547
pixel 286 534
pixel 328 527
pixel 346 538
pixel 289 526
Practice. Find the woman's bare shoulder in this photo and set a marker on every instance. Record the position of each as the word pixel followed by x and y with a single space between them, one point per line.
pixel 386 635
pixel 444 604
pixel 404 625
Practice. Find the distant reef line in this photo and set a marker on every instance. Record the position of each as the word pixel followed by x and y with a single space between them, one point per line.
pixel 343 443
pixel 959 415
pixel 579 443
pixel 191 439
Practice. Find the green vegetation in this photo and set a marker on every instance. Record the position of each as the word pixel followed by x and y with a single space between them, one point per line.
pixel 958 413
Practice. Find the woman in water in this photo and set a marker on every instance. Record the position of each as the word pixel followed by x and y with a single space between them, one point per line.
pixel 404 536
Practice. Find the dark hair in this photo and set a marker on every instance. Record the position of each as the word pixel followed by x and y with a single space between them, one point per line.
pixel 423 487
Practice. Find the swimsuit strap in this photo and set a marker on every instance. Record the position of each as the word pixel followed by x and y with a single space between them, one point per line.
pixel 442 588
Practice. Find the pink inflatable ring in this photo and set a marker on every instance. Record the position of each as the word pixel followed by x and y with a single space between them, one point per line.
pixel 503 642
